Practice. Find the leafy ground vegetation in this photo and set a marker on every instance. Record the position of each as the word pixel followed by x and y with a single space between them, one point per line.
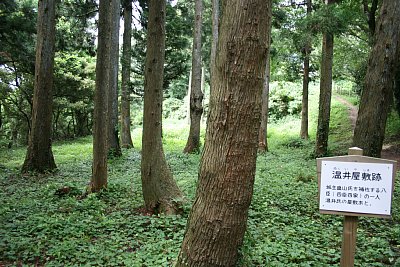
pixel 49 221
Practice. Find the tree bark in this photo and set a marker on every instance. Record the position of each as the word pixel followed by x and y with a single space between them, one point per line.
pixel 215 27
pixel 377 96
pixel 114 148
pixel 217 222
pixel 306 82
pixel 160 192
pixel 100 113
pixel 126 139
pixel 321 145
pixel 196 95
pixel 39 156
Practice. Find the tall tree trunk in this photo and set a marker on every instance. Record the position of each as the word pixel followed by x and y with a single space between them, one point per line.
pixel 126 139
pixel 325 95
pixel 215 27
pixel 100 113
pixel 39 156
pixel 262 135
pixel 114 148
pixel 217 222
pixel 377 96
pixel 196 95
pixel 306 82
pixel 160 192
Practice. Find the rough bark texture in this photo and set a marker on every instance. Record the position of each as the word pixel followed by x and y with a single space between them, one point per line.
pixel 160 192
pixel 126 139
pixel 377 96
pixel 114 148
pixel 325 95
pixel 306 81
pixel 218 218
pixel 262 135
pixel 39 156
pixel 215 26
pixel 196 95
pixel 100 113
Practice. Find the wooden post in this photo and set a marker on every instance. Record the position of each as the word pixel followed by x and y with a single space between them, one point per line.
pixel 349 229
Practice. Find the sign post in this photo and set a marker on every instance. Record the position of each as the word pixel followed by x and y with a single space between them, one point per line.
pixel 354 186
pixel 350 224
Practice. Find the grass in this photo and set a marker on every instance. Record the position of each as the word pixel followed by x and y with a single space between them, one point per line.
pixel 39 226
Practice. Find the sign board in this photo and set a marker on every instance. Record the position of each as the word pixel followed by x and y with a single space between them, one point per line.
pixel 356 186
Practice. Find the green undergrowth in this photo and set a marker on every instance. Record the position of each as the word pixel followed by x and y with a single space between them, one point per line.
pixel 47 220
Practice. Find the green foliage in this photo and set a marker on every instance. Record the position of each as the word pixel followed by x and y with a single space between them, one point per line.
pixel 177 47
pixel 174 108
pixel 75 26
pixel 73 94
pixel 393 125
pixel 74 69
pixel 284 100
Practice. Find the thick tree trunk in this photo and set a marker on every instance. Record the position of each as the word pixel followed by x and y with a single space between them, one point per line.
pixel 100 113
pixel 39 156
pixel 126 139
pixel 306 82
pixel 262 135
pixel 196 95
pixel 114 148
pixel 160 192
pixel 377 96
pixel 325 95
pixel 217 222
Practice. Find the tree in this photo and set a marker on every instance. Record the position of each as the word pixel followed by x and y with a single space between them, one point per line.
pixel 100 113
pixel 215 26
pixel 126 139
pixel 39 156
pixel 160 192
pixel 306 80
pixel 262 135
pixel 377 96
pixel 196 95
pixel 321 145
pixel 217 222
pixel 370 13
pixel 113 140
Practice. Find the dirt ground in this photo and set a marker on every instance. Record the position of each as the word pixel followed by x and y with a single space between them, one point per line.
pixel 391 147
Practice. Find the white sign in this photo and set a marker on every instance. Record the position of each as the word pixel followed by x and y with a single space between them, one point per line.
pixel 356 187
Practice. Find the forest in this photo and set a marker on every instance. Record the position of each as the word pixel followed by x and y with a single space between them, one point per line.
pixel 187 133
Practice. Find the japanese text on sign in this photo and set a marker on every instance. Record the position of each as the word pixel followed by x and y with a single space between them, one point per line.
pixel 356 187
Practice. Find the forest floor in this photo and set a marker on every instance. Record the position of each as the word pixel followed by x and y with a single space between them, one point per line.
pixel 391 146
pixel 42 226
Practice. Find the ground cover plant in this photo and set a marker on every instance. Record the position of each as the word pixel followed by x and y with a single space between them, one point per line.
pixel 48 220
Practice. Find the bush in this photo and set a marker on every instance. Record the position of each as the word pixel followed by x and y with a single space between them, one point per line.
pixel 284 100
